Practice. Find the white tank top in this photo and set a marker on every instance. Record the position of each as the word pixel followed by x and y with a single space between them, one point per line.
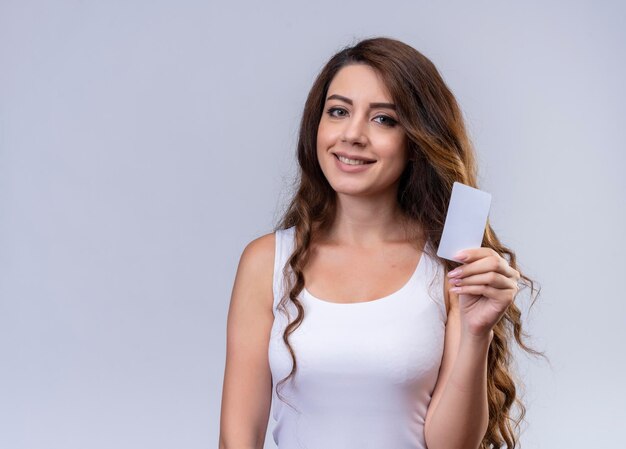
pixel 366 370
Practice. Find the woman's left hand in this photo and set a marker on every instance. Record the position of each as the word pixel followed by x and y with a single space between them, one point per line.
pixel 488 286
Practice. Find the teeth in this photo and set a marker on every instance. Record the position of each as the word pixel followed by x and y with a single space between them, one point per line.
pixel 345 160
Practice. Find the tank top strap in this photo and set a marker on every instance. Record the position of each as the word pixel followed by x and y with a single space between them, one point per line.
pixel 285 240
pixel 435 274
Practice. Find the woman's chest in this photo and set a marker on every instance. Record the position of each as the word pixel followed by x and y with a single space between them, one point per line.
pixel 345 276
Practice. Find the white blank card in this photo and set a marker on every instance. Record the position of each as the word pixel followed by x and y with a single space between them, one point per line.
pixel 465 221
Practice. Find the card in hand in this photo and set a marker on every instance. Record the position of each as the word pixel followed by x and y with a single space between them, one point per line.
pixel 466 220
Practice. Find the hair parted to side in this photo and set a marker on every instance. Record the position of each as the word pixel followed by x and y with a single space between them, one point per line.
pixel 440 153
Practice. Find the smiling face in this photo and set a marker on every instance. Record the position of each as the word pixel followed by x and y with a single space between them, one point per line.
pixel 358 121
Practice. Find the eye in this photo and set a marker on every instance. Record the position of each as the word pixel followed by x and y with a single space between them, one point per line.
pixel 330 111
pixel 390 122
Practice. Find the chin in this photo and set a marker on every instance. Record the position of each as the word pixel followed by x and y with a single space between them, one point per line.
pixel 347 189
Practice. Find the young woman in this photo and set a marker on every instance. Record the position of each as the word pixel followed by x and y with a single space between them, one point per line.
pixel 344 321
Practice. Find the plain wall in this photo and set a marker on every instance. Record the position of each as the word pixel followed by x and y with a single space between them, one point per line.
pixel 144 144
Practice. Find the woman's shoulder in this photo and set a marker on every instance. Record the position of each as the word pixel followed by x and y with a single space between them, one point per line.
pixel 260 250
pixel 263 246
pixel 254 278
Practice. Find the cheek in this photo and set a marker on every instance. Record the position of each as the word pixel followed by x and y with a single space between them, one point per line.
pixel 325 140
pixel 323 135
pixel 394 150
pixel 321 145
pixel 321 150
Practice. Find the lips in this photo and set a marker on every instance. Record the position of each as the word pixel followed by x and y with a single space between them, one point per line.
pixel 356 158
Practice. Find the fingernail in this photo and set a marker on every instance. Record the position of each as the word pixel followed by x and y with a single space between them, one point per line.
pixel 455 272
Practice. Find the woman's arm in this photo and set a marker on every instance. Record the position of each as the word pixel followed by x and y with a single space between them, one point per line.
pixel 458 414
pixel 247 389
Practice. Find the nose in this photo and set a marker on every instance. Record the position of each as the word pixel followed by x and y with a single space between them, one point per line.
pixel 353 131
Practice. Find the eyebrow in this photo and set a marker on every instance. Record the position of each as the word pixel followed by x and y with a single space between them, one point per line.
pixel 372 105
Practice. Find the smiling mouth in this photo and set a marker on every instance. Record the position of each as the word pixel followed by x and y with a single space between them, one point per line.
pixel 345 161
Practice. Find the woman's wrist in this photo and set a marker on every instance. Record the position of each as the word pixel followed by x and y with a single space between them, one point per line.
pixel 476 337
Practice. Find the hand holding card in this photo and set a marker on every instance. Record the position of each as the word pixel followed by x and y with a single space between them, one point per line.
pixel 466 220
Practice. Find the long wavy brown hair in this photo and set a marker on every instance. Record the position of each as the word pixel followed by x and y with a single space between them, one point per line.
pixel 440 153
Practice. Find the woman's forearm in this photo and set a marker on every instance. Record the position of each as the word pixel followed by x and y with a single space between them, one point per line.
pixel 461 417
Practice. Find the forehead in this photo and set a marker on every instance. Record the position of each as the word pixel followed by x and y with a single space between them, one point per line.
pixel 359 82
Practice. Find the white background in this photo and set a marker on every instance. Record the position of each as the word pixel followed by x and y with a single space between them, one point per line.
pixel 143 144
